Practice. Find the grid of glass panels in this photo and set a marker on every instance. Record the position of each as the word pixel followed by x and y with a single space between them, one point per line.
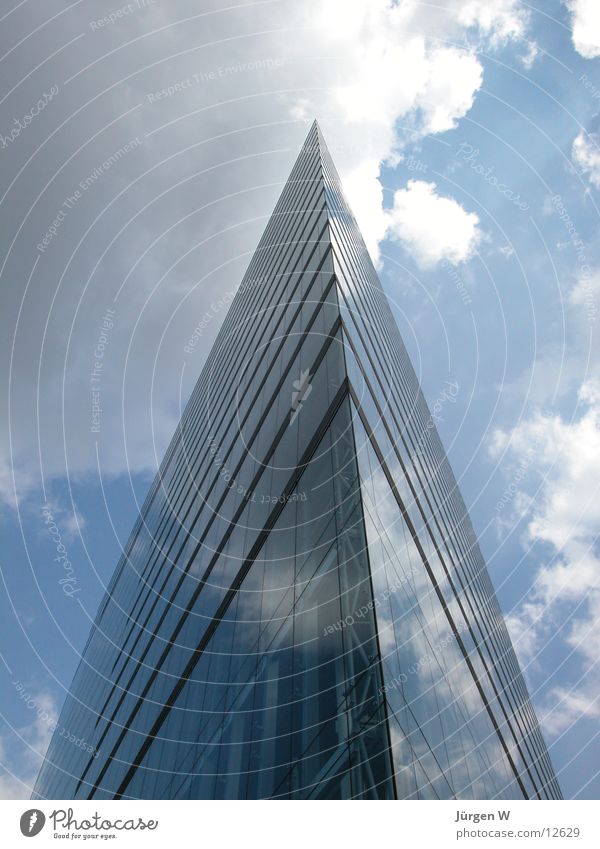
pixel 302 610
pixel 427 505
pixel 217 665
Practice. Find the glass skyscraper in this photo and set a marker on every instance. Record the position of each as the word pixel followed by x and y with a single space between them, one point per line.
pixel 302 610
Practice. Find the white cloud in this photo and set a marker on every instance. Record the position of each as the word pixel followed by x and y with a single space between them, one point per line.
pixel 22 749
pixel 586 293
pixel 7 492
pixel 528 58
pixel 376 74
pixel 565 514
pixel 453 78
pixel 585 20
pixel 584 286
pixel 569 707
pixel 507 251
pixel 500 19
pixel 586 155
pixel 365 193
pixel 432 227
pixel 398 74
pixel 67 518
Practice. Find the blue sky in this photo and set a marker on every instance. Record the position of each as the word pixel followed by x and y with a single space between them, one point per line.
pixel 467 138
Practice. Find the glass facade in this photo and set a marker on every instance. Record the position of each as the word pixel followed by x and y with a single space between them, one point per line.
pixel 302 610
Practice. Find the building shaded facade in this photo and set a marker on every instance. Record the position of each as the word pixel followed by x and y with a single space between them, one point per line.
pixel 302 610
